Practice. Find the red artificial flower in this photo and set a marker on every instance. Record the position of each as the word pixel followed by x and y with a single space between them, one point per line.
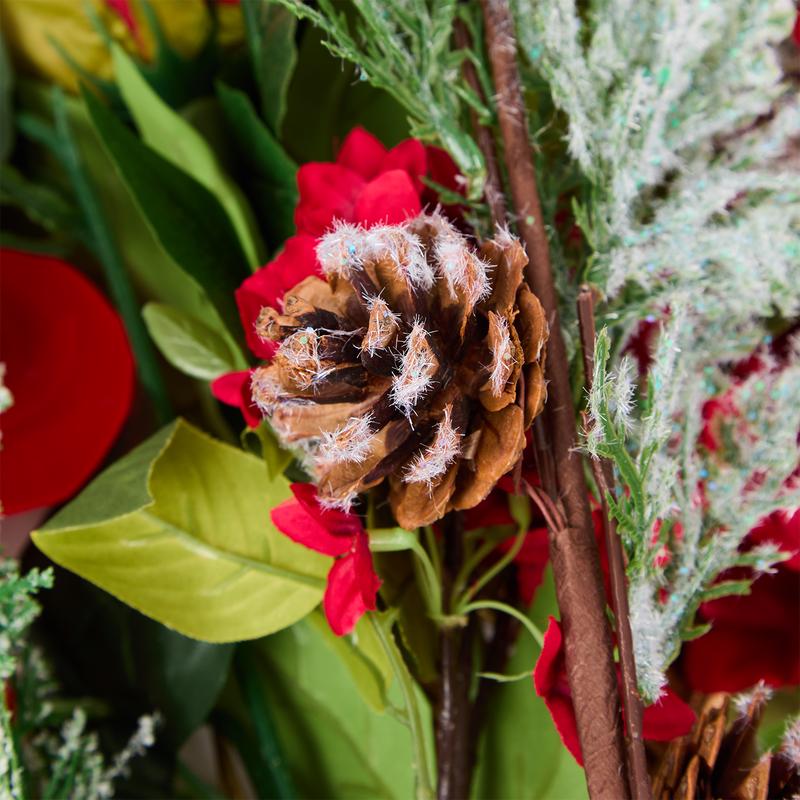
pixel 233 388
pixel 757 636
pixel 367 185
pixel 71 375
pixel 352 582
pixel 666 719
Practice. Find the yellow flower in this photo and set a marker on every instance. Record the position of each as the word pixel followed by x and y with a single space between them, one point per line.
pixel 31 27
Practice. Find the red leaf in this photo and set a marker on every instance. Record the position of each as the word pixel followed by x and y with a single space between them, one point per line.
pixel 233 389
pixel 668 718
pixel 410 156
pixel 362 152
pixel 327 192
pixel 388 199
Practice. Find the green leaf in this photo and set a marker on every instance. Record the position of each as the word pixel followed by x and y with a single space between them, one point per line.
pixel 271 171
pixel 6 104
pixel 185 217
pixel 180 530
pixel 189 345
pixel 521 755
pixel 726 588
pixel 322 719
pixel 267 447
pixel 270 36
pixel 172 137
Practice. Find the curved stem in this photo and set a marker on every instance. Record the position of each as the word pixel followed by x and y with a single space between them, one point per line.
pixel 431 583
pixel 425 790
pixel 496 568
pixel 495 605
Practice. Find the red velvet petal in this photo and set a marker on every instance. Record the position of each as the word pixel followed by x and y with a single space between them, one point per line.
pixel 267 286
pixel 549 680
pixel 327 192
pixel 352 588
pixel 71 373
pixel 531 562
pixel 388 199
pixel 782 528
pixel 292 518
pixel 339 523
pixel 668 718
pixel 756 637
pixel 362 152
pixel 233 389
pixel 411 157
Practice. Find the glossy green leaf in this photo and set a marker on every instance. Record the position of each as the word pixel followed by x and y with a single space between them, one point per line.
pixel 187 220
pixel 270 171
pixel 322 719
pixel 270 36
pixel 176 140
pixel 180 530
pixel 189 345
pixel 521 756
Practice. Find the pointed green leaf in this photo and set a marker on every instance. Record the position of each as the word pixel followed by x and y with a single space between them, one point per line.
pixel 180 530
pixel 271 172
pixel 185 217
pixel 189 345
pixel 271 38
pixel 172 137
pixel 726 588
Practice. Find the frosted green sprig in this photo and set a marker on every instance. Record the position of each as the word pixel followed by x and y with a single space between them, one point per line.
pixel 405 48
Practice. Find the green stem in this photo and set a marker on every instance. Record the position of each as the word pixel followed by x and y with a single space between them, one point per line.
pixel 114 268
pixel 467 567
pixel 268 746
pixel 433 548
pixel 495 605
pixel 425 784
pixel 431 580
pixel 496 568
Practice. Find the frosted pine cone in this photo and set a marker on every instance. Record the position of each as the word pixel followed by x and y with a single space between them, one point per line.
pixel 419 361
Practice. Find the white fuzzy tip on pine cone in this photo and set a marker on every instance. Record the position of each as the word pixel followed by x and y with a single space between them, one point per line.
pixel 344 503
pixel 350 443
pixel 300 353
pixel 756 698
pixel 790 746
pixel 342 249
pixel 265 390
pixel 462 268
pixel 434 460
pixel 417 368
pixel 503 360
pixel 383 325
pixel 404 249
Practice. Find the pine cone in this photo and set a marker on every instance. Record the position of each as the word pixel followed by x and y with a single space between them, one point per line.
pixel 719 759
pixel 420 361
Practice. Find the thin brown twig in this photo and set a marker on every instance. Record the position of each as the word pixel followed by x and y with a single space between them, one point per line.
pixel 603 475
pixel 574 555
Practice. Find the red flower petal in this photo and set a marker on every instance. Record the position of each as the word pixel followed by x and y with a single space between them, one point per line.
pixel 233 389
pixel 291 517
pixel 755 637
pixel 267 286
pixel 71 373
pixel 352 588
pixel 389 199
pixel 362 152
pixel 549 680
pixel 327 192
pixel 409 156
pixel 531 562
pixel 668 718
pixel 339 523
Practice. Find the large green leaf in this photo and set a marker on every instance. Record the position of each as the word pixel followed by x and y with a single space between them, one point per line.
pixel 176 140
pixel 521 756
pixel 185 217
pixel 271 172
pixel 321 717
pixel 189 345
pixel 270 36
pixel 180 530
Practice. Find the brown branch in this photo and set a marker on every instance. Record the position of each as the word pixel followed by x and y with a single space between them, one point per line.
pixel 493 187
pixel 576 564
pixel 453 719
pixel 603 475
